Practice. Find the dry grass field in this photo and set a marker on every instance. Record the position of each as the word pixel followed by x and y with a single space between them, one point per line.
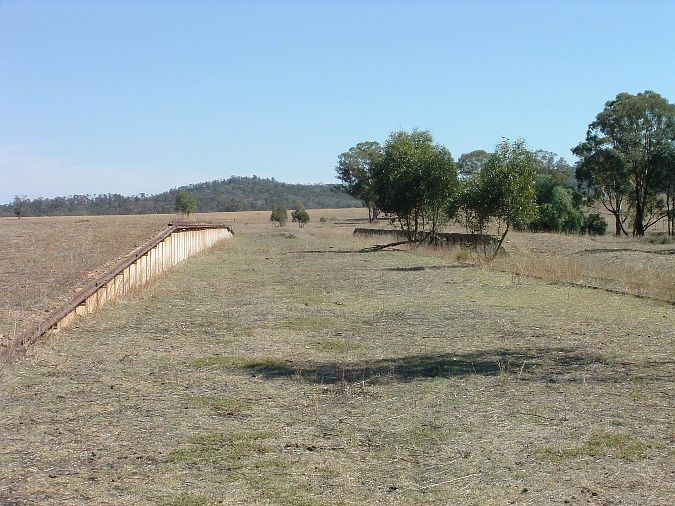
pixel 286 366
pixel 43 261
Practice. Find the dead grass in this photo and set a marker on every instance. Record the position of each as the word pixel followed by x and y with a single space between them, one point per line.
pixel 298 371
pixel 643 266
pixel 44 261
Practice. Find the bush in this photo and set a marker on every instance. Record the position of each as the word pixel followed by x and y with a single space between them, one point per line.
pixel 595 224
pixel 185 203
pixel 300 215
pixel 558 212
pixel 279 215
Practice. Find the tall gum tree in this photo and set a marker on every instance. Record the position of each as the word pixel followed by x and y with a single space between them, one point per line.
pixel 636 128
pixel 604 177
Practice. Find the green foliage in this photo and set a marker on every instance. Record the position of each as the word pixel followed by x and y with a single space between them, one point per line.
pixel 279 215
pixel 471 205
pixel 503 190
pixel 300 215
pixel 21 203
pixel 355 168
pixel 594 224
pixel 508 184
pixel 558 212
pixel 664 162
pixel 554 167
pixel 470 164
pixel 625 138
pixel 185 203
pixel 413 182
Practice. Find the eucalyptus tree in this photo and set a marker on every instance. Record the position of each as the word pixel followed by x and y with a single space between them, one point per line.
pixel 355 168
pixel 503 191
pixel 413 182
pixel 604 176
pixel 471 163
pixel 629 132
pixel 665 163
pixel 185 203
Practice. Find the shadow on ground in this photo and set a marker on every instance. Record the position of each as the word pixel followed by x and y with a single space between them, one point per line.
pixel 427 267
pixel 376 249
pixel 549 365
pixel 632 250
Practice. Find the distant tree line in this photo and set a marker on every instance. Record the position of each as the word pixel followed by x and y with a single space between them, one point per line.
pixel 233 194
pixel 417 184
pixel 626 163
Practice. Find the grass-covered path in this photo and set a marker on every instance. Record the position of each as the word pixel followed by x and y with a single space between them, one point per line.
pixel 284 367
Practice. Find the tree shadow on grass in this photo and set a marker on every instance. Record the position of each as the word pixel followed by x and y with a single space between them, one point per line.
pixel 594 251
pixel 548 365
pixel 340 251
pixel 417 268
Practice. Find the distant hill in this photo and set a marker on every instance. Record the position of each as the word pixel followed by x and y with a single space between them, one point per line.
pixel 233 194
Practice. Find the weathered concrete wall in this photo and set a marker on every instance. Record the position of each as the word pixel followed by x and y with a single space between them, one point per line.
pixel 441 239
pixel 172 246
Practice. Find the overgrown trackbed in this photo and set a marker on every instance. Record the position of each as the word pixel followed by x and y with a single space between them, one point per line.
pixel 281 369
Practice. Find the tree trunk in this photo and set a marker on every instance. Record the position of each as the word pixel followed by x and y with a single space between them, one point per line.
pixel 617 224
pixel 670 209
pixel 639 226
pixel 501 241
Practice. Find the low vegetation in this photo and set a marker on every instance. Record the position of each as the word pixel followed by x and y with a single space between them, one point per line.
pixel 279 215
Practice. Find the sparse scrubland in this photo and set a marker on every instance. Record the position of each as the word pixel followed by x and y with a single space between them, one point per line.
pixel 289 366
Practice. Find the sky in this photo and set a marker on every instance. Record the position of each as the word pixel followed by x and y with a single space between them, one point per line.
pixel 141 96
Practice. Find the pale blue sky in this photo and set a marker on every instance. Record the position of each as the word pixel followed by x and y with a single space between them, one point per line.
pixel 140 96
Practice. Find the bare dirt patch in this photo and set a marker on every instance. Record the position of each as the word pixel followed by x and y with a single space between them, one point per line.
pixel 283 368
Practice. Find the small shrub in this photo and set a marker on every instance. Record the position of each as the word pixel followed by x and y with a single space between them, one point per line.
pixel 300 215
pixel 463 255
pixel 559 212
pixel 279 215
pixel 323 219
pixel 594 224
pixel 662 239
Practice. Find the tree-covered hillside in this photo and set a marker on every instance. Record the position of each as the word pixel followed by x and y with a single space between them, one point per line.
pixel 233 194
